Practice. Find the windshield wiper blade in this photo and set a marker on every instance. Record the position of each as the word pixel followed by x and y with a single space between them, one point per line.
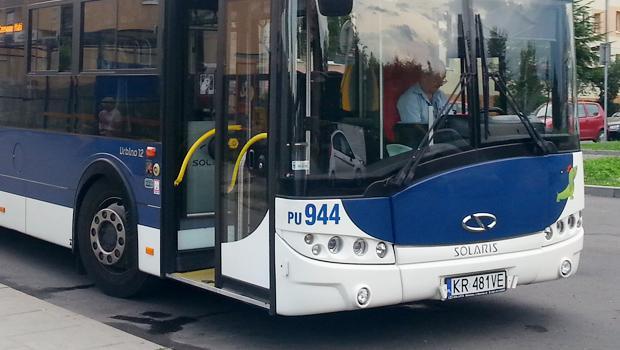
pixel 535 135
pixel 407 173
pixel 486 91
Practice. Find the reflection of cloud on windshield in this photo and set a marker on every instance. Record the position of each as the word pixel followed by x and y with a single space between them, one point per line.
pixel 412 31
pixel 383 11
pixel 404 6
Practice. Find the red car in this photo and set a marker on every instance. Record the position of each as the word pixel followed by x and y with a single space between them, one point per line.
pixel 591 119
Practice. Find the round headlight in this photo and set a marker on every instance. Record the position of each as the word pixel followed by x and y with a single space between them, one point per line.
pixel 334 245
pixel 560 226
pixel 360 247
pixel 572 221
pixel 363 296
pixel 548 233
pixel 566 268
pixel 309 239
pixel 316 249
pixel 382 250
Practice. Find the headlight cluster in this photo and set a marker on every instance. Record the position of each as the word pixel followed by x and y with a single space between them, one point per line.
pixel 341 248
pixel 563 229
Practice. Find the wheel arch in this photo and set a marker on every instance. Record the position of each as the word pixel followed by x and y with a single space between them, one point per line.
pixel 97 170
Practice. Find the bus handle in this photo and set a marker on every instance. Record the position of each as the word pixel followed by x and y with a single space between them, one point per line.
pixel 193 150
pixel 246 148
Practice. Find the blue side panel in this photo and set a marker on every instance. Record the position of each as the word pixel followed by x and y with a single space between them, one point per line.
pixel 521 193
pixel 372 215
pixel 48 167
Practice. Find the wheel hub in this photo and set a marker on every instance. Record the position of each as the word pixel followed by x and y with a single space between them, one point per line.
pixel 107 236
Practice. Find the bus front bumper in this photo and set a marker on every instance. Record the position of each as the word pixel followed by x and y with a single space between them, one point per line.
pixel 305 286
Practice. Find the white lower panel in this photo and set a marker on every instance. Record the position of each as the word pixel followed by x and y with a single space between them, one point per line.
pixel 49 222
pixel 306 286
pixel 422 281
pixel 149 241
pixel 248 260
pixel 13 212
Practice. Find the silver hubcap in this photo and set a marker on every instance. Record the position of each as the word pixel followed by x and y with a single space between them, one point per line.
pixel 107 235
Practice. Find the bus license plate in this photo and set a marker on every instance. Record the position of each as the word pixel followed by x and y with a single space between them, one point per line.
pixel 474 285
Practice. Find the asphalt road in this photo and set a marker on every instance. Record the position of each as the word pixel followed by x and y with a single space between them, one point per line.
pixel 580 313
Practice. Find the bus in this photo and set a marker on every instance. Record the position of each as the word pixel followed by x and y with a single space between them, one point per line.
pixel 303 156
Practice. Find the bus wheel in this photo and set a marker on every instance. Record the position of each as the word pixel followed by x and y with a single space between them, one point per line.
pixel 108 241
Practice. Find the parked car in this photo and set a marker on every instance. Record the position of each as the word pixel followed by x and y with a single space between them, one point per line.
pixel 344 163
pixel 591 119
pixel 613 133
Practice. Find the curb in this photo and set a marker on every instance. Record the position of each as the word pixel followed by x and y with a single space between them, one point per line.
pixel 603 191
pixel 601 153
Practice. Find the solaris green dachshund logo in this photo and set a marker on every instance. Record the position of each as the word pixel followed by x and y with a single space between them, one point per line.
pixel 569 192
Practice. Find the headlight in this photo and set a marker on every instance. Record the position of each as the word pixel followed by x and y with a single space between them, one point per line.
pixel 334 245
pixel 309 239
pixel 316 249
pixel 382 250
pixel 560 226
pixel 572 221
pixel 360 247
pixel 548 233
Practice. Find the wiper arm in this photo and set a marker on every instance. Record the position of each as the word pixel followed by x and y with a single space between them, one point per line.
pixel 407 173
pixel 535 135
pixel 486 91
pixel 499 81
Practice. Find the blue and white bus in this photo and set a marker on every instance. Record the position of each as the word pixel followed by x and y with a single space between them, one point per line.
pixel 304 156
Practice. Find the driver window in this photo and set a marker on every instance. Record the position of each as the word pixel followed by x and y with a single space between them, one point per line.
pixel 361 76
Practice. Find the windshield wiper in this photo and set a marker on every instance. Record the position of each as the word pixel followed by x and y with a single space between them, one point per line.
pixel 407 173
pixel 501 83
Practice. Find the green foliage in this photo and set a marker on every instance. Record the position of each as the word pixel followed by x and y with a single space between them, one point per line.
pixel 585 38
pixel 528 89
pixel 589 72
pixel 603 172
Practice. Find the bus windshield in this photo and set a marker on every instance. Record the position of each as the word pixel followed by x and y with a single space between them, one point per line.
pixel 367 85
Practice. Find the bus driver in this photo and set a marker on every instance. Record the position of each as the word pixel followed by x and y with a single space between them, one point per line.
pixel 415 103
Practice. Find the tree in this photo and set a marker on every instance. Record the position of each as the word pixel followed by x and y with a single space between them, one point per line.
pixel 528 89
pixel 585 38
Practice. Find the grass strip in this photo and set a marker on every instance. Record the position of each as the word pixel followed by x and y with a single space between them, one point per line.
pixel 603 171
pixel 602 146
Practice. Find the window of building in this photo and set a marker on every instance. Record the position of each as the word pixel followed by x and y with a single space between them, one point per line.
pixel 51 33
pixel 119 34
pixel 617 21
pixel 597 22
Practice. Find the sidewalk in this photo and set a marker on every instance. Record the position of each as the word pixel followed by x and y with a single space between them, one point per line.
pixel 29 323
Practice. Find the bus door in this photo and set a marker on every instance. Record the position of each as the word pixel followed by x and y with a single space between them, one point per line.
pixel 244 226
pixel 196 235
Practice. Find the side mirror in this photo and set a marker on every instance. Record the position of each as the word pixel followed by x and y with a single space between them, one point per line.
pixel 335 8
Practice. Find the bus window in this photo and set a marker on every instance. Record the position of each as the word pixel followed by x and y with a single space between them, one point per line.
pixel 119 34
pixel 12 52
pixel 51 39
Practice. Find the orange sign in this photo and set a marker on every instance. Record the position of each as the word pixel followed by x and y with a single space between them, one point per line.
pixel 12 28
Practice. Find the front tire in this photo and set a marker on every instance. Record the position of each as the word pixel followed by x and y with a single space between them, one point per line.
pixel 600 137
pixel 108 240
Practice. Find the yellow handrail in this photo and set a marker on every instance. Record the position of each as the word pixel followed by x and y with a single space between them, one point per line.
pixel 251 142
pixel 195 147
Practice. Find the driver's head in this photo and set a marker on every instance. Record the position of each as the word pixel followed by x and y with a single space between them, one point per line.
pixel 433 77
